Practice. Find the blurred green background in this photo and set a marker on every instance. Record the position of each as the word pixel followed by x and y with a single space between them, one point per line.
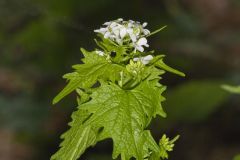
pixel 40 40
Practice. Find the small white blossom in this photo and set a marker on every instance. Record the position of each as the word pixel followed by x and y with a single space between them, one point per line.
pixel 146 32
pixel 123 32
pixel 145 60
pixel 131 32
pixel 132 35
pixel 144 24
pixel 140 43
pixel 107 34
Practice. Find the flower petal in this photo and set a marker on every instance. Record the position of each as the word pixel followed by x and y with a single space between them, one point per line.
pixel 136 59
pixel 116 31
pixel 140 48
pixel 113 24
pixel 142 41
pixel 123 32
pixel 144 24
pixel 107 34
pixel 107 23
pixel 146 31
pixel 103 29
pixel 119 19
pixel 133 37
pixel 148 58
pixel 145 62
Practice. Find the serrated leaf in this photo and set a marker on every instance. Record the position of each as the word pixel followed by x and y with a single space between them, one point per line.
pixel 91 57
pixel 86 75
pixel 79 138
pixel 83 96
pixel 121 115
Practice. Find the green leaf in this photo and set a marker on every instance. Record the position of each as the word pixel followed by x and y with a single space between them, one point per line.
pixel 91 57
pixel 109 46
pixel 237 157
pixel 165 67
pixel 79 138
pixel 194 101
pixel 86 75
pixel 232 89
pixel 121 115
pixel 83 96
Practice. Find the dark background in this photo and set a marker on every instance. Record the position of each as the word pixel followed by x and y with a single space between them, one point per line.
pixel 40 40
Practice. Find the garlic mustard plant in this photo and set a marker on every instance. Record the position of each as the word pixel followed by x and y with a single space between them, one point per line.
pixel 119 93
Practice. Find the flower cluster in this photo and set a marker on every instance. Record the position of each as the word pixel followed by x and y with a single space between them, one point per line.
pixel 122 32
pixel 135 67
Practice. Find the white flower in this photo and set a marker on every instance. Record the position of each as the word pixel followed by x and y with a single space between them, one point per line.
pixel 107 34
pixel 116 31
pixel 145 60
pixel 132 35
pixel 123 32
pixel 119 19
pixel 140 43
pixel 130 32
pixel 144 24
pixel 100 53
pixel 101 30
pixel 146 32
pixel 113 24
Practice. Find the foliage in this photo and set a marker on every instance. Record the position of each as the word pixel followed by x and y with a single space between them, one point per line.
pixel 118 95
pixel 232 89
pixel 203 99
pixel 166 145
pixel 237 157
